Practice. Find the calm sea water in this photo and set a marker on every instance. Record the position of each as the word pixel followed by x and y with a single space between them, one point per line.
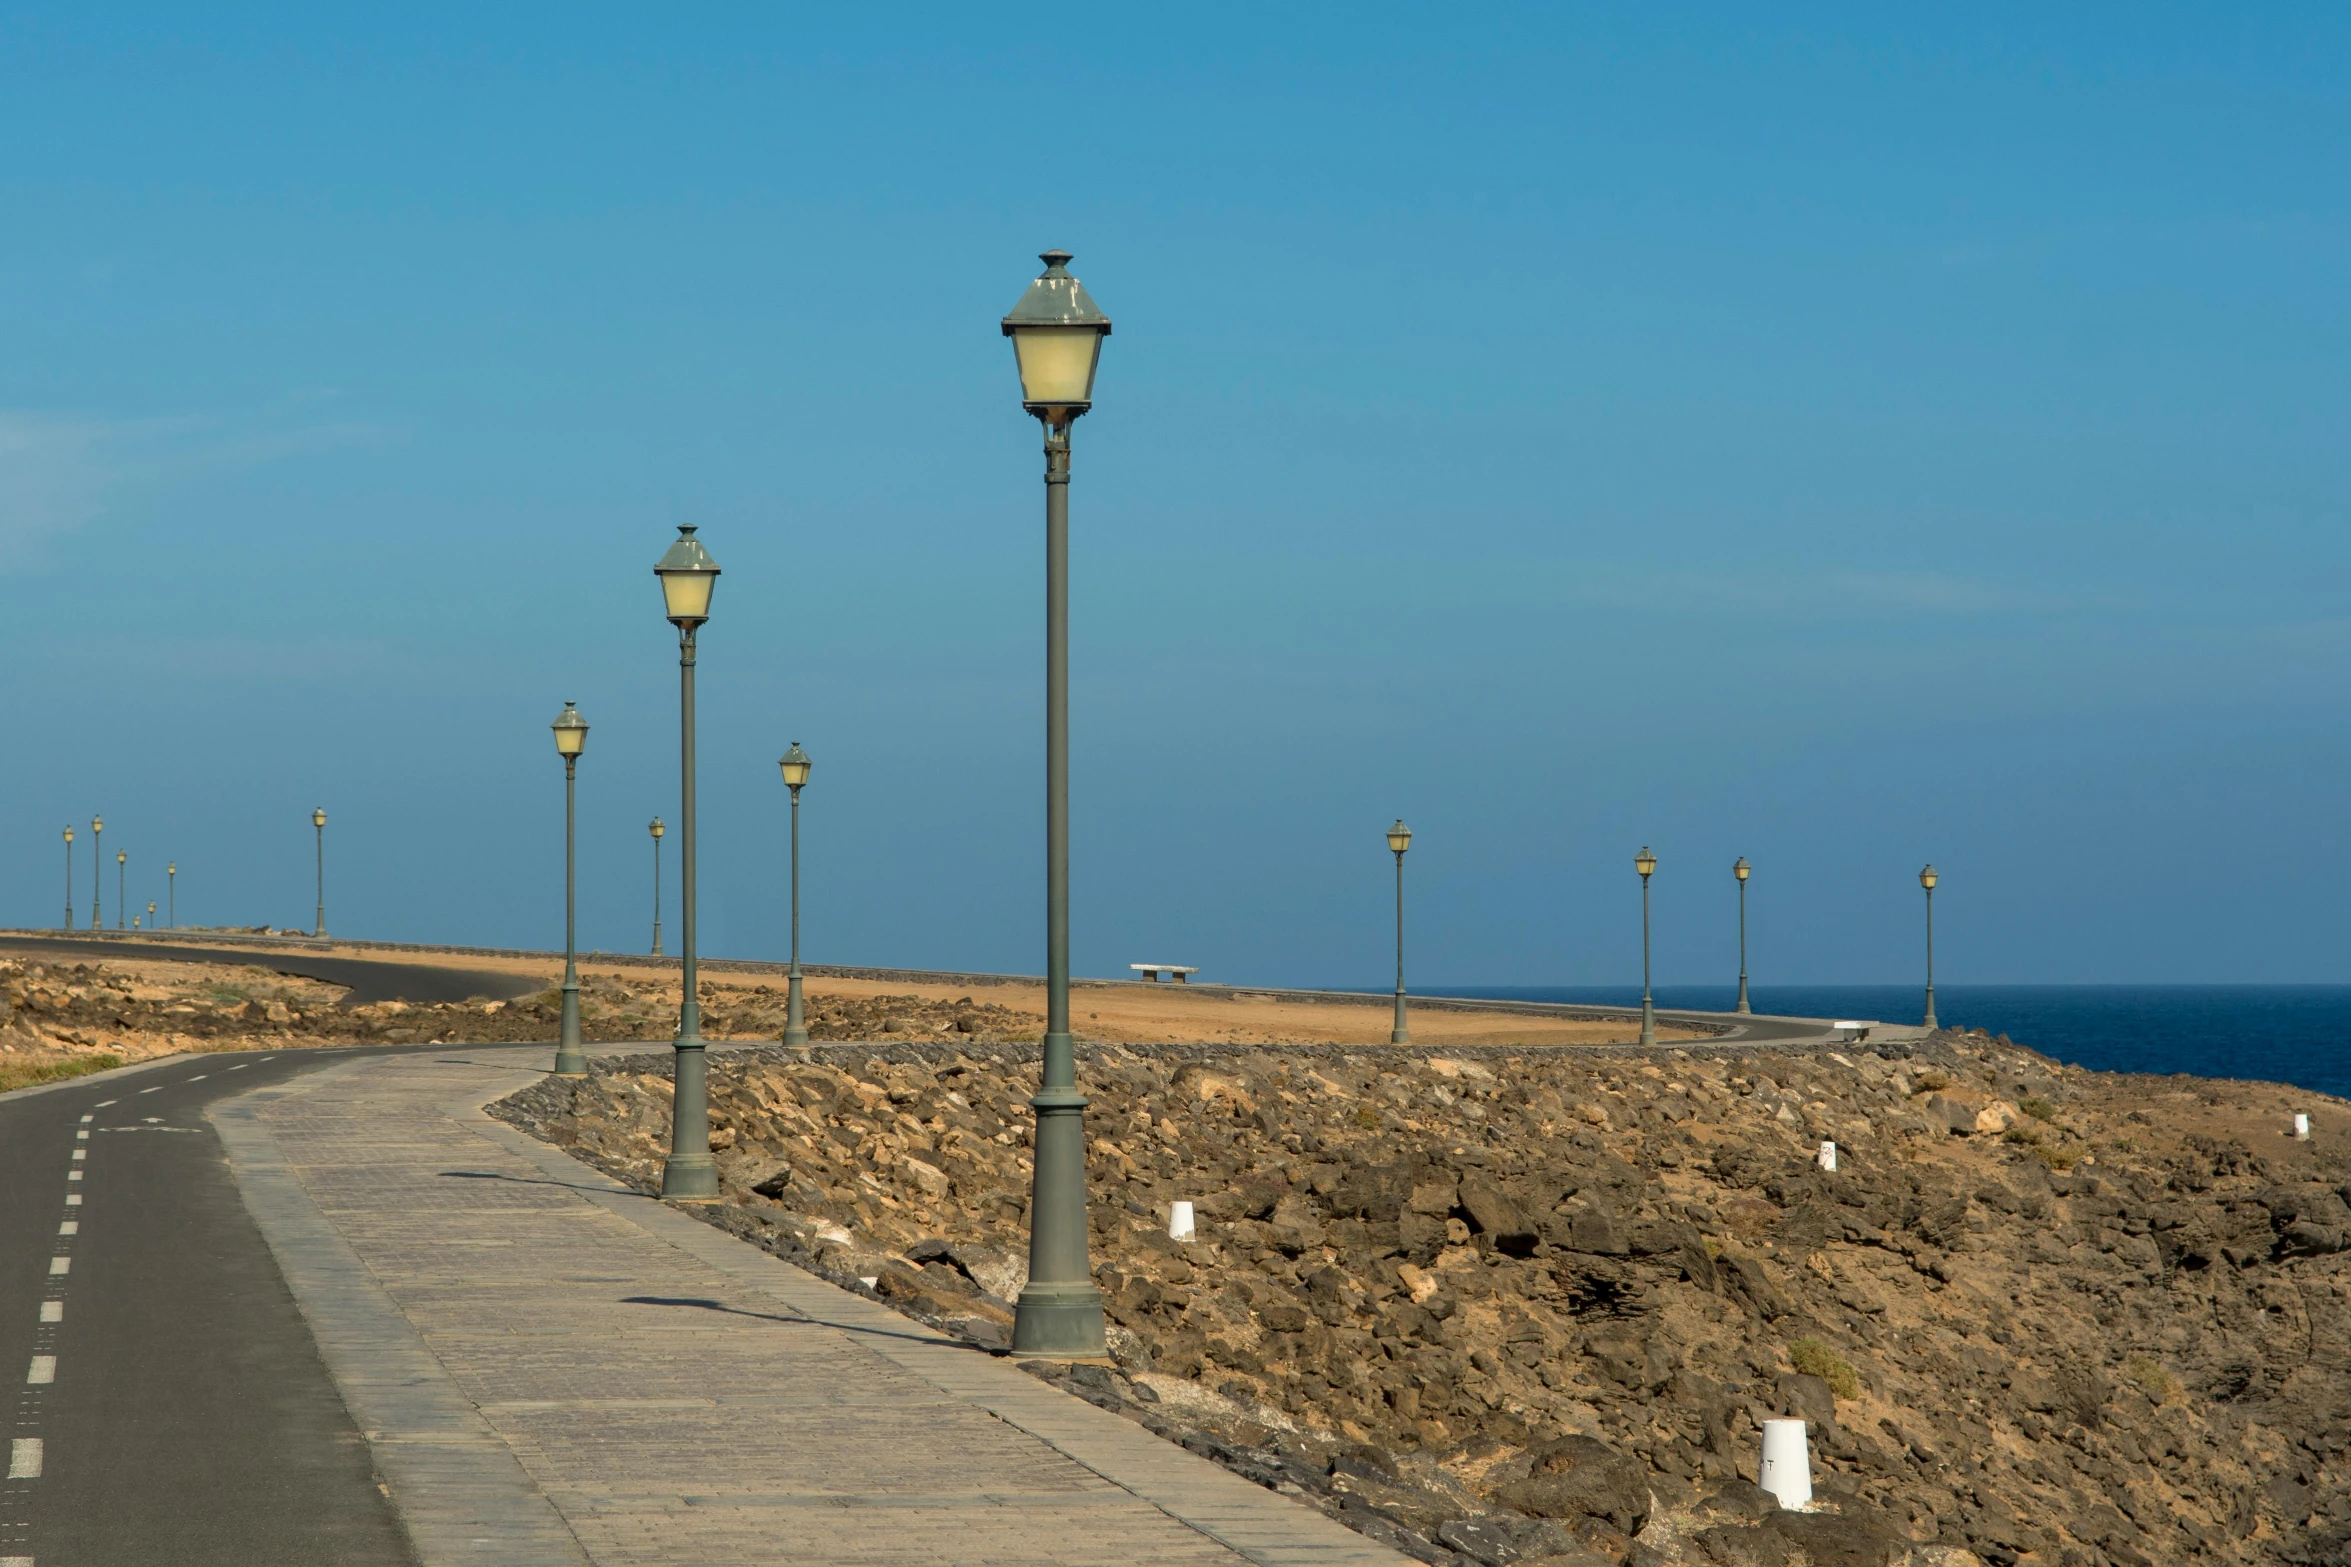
pixel 2278 1033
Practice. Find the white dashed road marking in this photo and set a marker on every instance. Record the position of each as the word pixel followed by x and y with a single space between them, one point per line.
pixel 199 1077
pixel 70 1227
pixel 53 1311
pixel 81 1153
pixel 44 1371
pixel 60 1266
pixel 87 1119
pixel 157 1089
pixel 239 1067
pixel 24 1458
pixel 73 1199
pixel 82 1137
pixel 103 1103
pixel 73 1175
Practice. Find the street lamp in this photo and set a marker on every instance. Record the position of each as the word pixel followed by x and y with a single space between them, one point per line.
pixel 318 820
pixel 796 767
pixel 1927 879
pixel 1057 331
pixel 688 575
pixel 657 830
pixel 150 913
pixel 171 896
pixel 1645 863
pixel 1399 839
pixel 122 859
pixel 97 872
pixel 571 738
pixel 69 880
pixel 1740 870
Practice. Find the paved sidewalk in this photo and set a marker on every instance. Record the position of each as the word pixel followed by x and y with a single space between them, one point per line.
pixel 551 1368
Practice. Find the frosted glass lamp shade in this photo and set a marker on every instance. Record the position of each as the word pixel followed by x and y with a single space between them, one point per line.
pixel 571 731
pixel 688 575
pixel 1399 837
pixel 1927 878
pixel 1645 862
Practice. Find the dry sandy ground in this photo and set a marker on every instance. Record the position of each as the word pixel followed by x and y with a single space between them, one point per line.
pixel 1133 1013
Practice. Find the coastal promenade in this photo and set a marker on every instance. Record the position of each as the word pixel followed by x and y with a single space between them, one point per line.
pixel 548 1367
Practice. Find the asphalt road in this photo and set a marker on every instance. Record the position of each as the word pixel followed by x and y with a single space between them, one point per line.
pixel 368 979
pixel 185 1418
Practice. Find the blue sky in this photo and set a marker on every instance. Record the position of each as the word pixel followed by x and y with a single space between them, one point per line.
pixel 1838 440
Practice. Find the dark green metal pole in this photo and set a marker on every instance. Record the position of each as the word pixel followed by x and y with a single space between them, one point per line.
pixel 1743 945
pixel 69 880
pixel 691 1174
pixel 1648 1012
pixel 97 875
pixel 1400 1035
pixel 1060 1311
pixel 172 904
pixel 657 895
pixel 570 1060
pixel 121 860
pixel 1931 1023
pixel 795 1018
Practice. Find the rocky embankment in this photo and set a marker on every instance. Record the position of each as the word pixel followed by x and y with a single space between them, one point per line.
pixel 1502 1307
pixel 59 1011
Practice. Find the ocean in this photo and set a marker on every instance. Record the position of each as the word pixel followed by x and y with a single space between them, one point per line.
pixel 2298 1034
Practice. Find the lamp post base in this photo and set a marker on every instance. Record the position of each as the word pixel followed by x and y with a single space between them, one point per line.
pixel 1400 1035
pixel 690 1178
pixel 795 1016
pixel 1931 1024
pixel 1648 1024
pixel 1059 1322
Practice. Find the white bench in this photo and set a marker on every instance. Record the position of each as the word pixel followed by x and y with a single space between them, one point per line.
pixel 1152 971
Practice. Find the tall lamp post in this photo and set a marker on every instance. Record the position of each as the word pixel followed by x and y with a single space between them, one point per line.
pixel 571 738
pixel 318 820
pixel 688 575
pixel 796 767
pixel 656 829
pixel 1927 879
pixel 1646 863
pixel 1057 332
pixel 69 880
pixel 171 895
pixel 1399 839
pixel 1740 870
pixel 97 872
pixel 150 913
pixel 122 860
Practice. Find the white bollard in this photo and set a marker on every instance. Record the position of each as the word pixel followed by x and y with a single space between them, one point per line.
pixel 1179 1221
pixel 1786 1471
pixel 1828 1156
pixel 2301 1127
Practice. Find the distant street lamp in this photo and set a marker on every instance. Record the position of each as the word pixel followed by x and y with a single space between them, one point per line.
pixel 1927 879
pixel 1645 863
pixel 150 913
pixel 1057 332
pixel 97 872
pixel 796 767
pixel 688 575
pixel 657 830
pixel 1399 839
pixel 571 738
pixel 171 897
pixel 1740 870
pixel 318 820
pixel 69 881
pixel 121 872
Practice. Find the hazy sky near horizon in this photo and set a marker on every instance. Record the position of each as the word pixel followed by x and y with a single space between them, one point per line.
pixel 1839 439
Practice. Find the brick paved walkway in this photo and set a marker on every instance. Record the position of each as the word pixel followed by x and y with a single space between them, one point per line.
pixel 553 1369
